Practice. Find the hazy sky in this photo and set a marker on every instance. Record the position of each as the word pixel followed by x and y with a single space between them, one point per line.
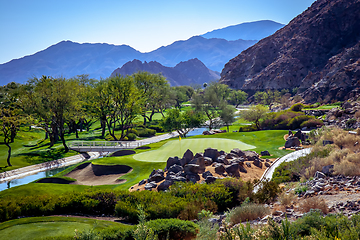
pixel 28 26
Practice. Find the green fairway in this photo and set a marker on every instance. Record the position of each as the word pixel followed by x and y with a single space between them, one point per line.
pixel 178 148
pixel 48 227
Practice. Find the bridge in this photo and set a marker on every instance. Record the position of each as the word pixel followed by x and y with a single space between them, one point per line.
pixel 112 146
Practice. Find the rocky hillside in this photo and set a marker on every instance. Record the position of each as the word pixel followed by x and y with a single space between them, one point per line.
pixel 185 73
pixel 318 52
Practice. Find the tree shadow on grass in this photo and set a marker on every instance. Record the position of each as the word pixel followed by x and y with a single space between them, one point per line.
pixel 45 155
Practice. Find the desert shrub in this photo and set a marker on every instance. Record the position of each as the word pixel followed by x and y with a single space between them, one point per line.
pixel 313 219
pixel 296 122
pixel 282 231
pixel 314 203
pixel 146 132
pixel 131 136
pixel 312 123
pixel 267 192
pixel 173 228
pixel 247 212
pixel 300 189
pixel 286 199
pixel 280 120
pixel 297 107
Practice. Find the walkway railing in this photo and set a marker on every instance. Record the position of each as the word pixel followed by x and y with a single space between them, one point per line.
pixel 103 146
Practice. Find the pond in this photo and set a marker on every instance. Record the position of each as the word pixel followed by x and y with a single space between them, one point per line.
pixel 30 178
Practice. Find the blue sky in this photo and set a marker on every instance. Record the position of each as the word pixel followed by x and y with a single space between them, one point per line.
pixel 28 26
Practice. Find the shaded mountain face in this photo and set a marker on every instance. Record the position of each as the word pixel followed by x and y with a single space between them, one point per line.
pixel 189 73
pixel 318 52
pixel 246 31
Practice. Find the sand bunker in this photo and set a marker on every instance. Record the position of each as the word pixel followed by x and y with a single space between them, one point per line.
pixel 54 180
pixel 122 153
pixel 93 175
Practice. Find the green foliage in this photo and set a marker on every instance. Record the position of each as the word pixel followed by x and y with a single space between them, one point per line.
pixel 247 212
pixel 255 114
pixel 312 123
pixel 146 132
pixel 296 122
pixel 297 107
pixel 131 136
pixel 173 228
pixel 157 128
pixel 267 192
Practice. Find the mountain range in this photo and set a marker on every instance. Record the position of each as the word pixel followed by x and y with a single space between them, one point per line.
pixel 69 58
pixel 317 52
pixel 191 72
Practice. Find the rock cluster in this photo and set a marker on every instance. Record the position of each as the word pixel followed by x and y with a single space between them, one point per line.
pixel 213 131
pixel 192 167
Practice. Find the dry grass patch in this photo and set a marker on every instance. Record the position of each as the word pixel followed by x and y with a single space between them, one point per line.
pixel 286 199
pixel 247 212
pixel 313 203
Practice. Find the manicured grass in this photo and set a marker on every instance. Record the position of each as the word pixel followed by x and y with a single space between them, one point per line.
pixel 47 227
pixel 178 148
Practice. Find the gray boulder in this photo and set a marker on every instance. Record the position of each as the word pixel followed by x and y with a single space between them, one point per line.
pixel 219 168
pixel 188 156
pixel 150 185
pixel 292 142
pixel 156 178
pixel 191 168
pixel 319 175
pixel 248 164
pixel 210 179
pixel 165 185
pixel 172 161
pixel 231 156
pixel 207 161
pixel 206 174
pixel 197 155
pixel 257 163
pixel 193 177
pixel 211 153
pixel 242 168
pixel 233 170
pixel 176 169
pixel 222 159
pixel 328 170
pixel 267 165
pixel 142 182
pixel 251 155
pixel 179 179
pixel 265 153
pixel 238 152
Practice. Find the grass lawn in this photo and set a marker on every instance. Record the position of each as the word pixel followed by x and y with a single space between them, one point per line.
pixel 178 148
pixel 48 227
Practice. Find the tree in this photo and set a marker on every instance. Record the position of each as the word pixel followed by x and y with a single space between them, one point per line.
pixel 182 122
pixel 237 97
pixel 152 89
pixel 181 94
pixel 227 115
pixel 53 101
pixel 124 106
pixel 254 114
pixel 11 115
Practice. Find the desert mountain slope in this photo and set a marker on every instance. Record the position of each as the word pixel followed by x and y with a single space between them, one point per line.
pixel 247 31
pixel 190 72
pixel 318 51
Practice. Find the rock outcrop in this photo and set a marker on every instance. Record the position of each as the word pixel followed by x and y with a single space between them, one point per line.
pixel 317 52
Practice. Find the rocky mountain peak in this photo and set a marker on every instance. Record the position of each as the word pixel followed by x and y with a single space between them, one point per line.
pixel 318 52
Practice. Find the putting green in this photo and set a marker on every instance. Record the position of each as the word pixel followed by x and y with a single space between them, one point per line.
pixel 178 148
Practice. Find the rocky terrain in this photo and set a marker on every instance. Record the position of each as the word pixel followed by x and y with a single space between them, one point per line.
pixel 206 167
pixel 189 73
pixel 318 52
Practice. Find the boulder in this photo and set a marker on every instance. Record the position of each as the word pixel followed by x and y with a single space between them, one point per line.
pixel 210 179
pixel 142 182
pixel 156 178
pixel 150 185
pixel 257 163
pixel 242 168
pixel 165 185
pixel 175 169
pixel 207 161
pixel 265 153
pixel 179 179
pixel 172 161
pixel 193 177
pixel 191 168
pixel 250 155
pixel 222 159
pixel 159 171
pixel 326 142
pixel 219 168
pixel 248 164
pixel 267 165
pixel 233 170
pixel 197 155
pixel 188 156
pixel 238 152
pixel 328 170
pixel 206 174
pixel 231 156
pixel 211 153
pixel 222 152
pixel 292 142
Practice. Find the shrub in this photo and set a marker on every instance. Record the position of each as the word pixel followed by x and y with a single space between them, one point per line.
pixel 312 123
pixel 297 107
pixel 268 190
pixel 146 132
pixel 134 131
pixel 157 128
pixel 247 212
pixel 314 203
pixel 286 199
pixel 297 121
pixel 131 136
pixel 173 228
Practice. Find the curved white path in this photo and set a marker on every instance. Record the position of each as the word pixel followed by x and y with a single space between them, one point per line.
pixel 287 158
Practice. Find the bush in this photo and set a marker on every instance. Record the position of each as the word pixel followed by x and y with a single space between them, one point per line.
pixel 286 199
pixel 146 132
pixel 173 228
pixel 314 203
pixel 247 212
pixel 134 131
pixel 267 192
pixel 131 137
pixel 297 121
pixel 312 123
pixel 157 128
pixel 297 107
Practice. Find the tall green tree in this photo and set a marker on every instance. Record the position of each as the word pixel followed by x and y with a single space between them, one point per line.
pixel 152 88
pixel 11 115
pixel 124 106
pixel 255 114
pixel 237 97
pixel 182 122
pixel 227 115
pixel 52 101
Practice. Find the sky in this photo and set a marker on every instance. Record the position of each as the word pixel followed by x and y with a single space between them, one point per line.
pixel 29 26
